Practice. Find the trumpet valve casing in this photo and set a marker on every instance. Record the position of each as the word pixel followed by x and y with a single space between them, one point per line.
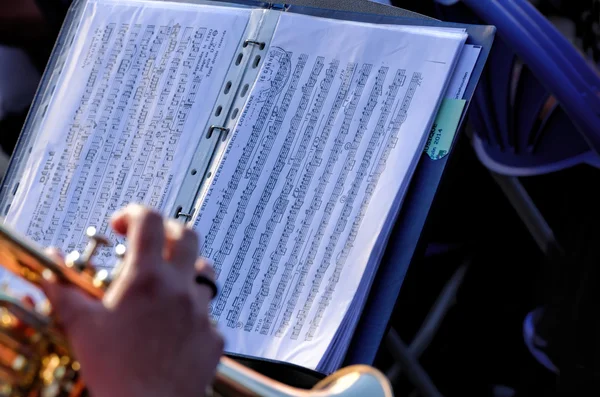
pixel 33 355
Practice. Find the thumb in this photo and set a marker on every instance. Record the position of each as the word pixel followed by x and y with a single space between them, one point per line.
pixel 70 306
pixel 68 303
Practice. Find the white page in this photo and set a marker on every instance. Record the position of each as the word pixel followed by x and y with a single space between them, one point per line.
pixel 133 99
pixel 337 118
pixel 462 72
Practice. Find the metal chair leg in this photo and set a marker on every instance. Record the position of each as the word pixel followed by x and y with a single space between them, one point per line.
pixel 528 212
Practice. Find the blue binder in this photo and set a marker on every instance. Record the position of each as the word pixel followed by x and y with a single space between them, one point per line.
pixel 405 241
pixel 405 238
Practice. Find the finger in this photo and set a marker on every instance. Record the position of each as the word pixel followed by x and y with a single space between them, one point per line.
pixel 181 246
pixel 205 266
pixel 28 302
pixel 205 291
pixel 70 305
pixel 145 235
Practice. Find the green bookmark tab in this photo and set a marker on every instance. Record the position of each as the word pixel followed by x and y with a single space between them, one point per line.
pixel 444 128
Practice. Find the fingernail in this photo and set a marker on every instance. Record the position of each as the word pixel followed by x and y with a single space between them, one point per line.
pixel 174 228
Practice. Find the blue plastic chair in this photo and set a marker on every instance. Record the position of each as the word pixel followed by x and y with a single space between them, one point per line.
pixel 520 129
pixel 537 109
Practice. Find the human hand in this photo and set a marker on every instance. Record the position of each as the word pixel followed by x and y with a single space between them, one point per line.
pixel 151 334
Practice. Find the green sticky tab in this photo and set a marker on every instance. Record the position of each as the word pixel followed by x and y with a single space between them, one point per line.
pixel 444 127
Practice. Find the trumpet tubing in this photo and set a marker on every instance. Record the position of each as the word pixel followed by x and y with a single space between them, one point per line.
pixel 35 359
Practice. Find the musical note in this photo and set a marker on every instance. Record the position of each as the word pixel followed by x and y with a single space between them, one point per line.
pixel 282 61
pixel 284 217
pixel 130 109
pixel 326 174
pixel 368 158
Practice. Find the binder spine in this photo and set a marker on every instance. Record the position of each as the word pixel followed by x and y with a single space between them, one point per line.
pixel 260 44
pixel 278 6
pixel 183 215
pixel 243 72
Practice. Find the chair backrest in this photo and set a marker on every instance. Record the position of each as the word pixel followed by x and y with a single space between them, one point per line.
pixel 537 108
pixel 519 127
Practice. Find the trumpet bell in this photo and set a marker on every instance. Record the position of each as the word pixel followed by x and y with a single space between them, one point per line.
pixel 355 381
pixel 233 379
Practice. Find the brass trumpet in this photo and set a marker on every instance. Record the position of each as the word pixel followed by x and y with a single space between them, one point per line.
pixel 35 359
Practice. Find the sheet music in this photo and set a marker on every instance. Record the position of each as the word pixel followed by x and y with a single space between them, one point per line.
pixel 136 91
pixel 330 133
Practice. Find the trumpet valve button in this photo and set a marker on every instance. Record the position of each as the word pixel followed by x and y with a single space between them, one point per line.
pixel 102 278
pixel 74 260
pixel 19 363
pixel 92 233
pixel 96 240
pixel 120 250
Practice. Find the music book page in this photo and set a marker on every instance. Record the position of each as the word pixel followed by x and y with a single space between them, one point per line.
pixel 330 134
pixel 128 111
